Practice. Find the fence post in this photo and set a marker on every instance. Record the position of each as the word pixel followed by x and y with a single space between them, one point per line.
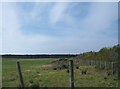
pixel 20 75
pixel 71 75
pixel 113 70
pixel 100 64
pixel 105 65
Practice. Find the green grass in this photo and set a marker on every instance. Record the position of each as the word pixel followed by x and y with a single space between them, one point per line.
pixel 35 75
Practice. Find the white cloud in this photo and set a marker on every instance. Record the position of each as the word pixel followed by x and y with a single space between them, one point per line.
pixel 14 41
pixel 98 21
pixel 101 15
pixel 91 31
pixel 0 28
pixel 57 12
pixel 37 10
pixel 87 36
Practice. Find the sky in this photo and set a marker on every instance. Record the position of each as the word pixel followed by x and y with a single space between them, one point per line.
pixel 58 27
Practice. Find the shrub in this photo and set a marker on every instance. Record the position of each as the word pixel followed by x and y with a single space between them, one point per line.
pixel 83 71
pixel 67 71
pixel 77 67
pixel 54 68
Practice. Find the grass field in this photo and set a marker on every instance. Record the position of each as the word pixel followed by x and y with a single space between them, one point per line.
pixel 38 72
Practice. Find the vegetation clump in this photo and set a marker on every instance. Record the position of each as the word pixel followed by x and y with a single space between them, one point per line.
pixel 60 64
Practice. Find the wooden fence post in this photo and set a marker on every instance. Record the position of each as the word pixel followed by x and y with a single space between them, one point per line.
pixel 113 69
pixel 71 75
pixel 100 64
pixel 20 75
pixel 105 65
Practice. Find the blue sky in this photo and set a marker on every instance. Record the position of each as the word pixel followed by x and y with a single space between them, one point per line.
pixel 58 27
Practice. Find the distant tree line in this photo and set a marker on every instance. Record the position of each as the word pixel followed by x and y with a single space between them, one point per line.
pixel 40 56
pixel 106 59
pixel 104 54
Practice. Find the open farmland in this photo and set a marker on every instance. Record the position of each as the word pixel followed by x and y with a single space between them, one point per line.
pixel 39 73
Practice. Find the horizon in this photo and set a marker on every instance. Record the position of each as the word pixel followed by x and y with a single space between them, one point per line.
pixel 39 54
pixel 54 53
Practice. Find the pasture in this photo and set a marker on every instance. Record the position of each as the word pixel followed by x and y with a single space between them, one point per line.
pixel 39 73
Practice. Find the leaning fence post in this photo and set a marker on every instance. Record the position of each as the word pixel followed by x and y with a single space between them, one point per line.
pixel 20 75
pixel 71 75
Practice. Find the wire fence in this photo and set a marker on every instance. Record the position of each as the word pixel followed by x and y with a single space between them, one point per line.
pixel 112 67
